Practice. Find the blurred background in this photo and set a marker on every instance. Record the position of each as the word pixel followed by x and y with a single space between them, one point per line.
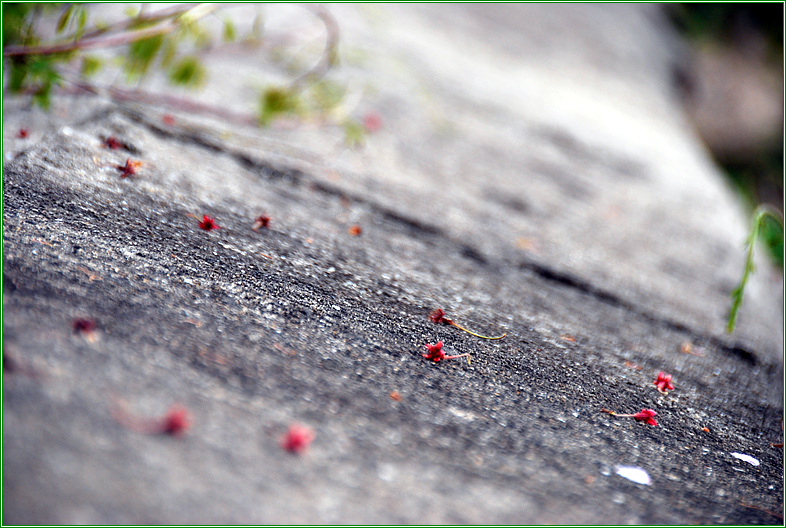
pixel 732 81
pixel 734 88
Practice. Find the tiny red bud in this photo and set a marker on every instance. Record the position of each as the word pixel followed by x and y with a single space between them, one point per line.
pixel 372 121
pixel 297 439
pixel 208 223
pixel 435 352
pixel 177 421
pixel 438 317
pixel 645 415
pixel 129 168
pixel 261 221
pixel 112 143
pixel 83 325
pixel 663 383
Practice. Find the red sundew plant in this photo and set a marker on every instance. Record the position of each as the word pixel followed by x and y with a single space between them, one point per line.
pixel 23 133
pixel 436 354
pixel 438 317
pixel 663 382
pixel 168 119
pixel 175 422
pixel 355 230
pixel 129 169
pixel 208 223
pixel 297 439
pixel 645 415
pixel 261 221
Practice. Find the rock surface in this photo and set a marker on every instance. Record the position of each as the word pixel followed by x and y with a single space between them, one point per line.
pixel 533 175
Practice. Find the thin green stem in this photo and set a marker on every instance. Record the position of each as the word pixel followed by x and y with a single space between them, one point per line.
pixel 759 214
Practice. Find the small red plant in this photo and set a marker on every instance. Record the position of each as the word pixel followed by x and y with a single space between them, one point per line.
pixel 645 415
pixel 129 169
pixel 175 422
pixel 297 439
pixel 436 354
pixel 372 121
pixel 438 317
pixel 113 143
pixel 663 382
pixel 86 327
pixel 355 230
pixel 261 221
pixel 208 223
pixel 168 119
pixel 83 325
pixel 23 133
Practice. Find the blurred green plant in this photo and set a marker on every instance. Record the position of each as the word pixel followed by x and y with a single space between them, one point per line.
pixel 765 220
pixel 167 40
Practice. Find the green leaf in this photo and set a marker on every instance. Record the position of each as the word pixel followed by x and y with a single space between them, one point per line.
pixel 141 55
pixel 91 65
pixel 354 133
pixel 759 217
pixel 65 18
pixel 16 82
pixel 75 13
pixel 326 95
pixel 81 22
pixel 16 28
pixel 188 71
pixel 42 98
pixel 230 34
pixel 257 28
pixel 277 101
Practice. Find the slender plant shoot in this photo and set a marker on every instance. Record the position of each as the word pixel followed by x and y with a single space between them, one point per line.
pixel 736 295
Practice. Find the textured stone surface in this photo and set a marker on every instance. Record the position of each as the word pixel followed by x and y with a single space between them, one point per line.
pixel 533 175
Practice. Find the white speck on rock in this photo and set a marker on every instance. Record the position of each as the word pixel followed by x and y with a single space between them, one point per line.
pixel 637 475
pixel 747 458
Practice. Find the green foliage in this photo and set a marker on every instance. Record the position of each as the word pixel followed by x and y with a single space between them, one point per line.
pixel 278 101
pixel 772 237
pixel 74 15
pixel 230 33
pixel 354 133
pixel 141 55
pixel 37 74
pixel 153 41
pixel 15 23
pixel 760 215
pixel 91 65
pixel 188 72
pixel 325 95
